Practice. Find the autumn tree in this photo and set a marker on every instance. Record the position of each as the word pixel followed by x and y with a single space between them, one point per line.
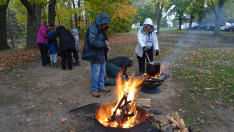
pixel 145 10
pixel 179 9
pixel 33 20
pixel 3 29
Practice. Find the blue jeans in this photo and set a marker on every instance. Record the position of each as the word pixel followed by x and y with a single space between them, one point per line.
pixel 98 72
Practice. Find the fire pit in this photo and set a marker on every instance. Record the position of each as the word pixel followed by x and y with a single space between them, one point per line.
pixel 123 115
pixel 151 83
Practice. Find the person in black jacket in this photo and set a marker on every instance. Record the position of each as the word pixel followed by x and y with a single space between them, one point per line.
pixel 115 66
pixel 66 45
pixel 95 50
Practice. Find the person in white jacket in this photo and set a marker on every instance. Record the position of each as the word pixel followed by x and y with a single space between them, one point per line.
pixel 147 43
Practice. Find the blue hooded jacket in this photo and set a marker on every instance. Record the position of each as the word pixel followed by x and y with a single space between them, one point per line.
pixel 53 45
pixel 95 49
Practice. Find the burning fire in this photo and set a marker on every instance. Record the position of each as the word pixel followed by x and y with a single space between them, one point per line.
pixel 146 76
pixel 123 114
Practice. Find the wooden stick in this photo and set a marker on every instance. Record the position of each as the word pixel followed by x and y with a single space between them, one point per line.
pixel 147 56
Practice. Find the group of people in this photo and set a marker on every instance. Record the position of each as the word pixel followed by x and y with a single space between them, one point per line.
pixel 96 47
pixel 68 45
pixel 95 50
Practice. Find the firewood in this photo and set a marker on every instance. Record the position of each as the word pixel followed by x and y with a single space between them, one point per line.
pixel 140 102
pixel 175 119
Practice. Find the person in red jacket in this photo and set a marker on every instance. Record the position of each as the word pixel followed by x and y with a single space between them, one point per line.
pixel 41 42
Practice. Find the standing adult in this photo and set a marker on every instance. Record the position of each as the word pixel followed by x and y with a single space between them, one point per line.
pixel 95 50
pixel 41 42
pixel 147 43
pixel 66 46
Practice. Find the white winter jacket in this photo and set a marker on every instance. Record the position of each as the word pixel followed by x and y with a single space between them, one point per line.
pixel 141 39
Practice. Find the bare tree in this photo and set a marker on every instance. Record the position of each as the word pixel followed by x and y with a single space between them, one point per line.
pixel 3 29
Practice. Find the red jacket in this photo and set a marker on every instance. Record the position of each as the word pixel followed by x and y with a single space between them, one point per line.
pixel 42 34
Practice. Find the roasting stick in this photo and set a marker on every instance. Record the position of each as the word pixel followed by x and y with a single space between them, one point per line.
pixel 147 56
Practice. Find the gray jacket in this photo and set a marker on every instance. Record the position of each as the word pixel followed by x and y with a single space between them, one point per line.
pixel 95 49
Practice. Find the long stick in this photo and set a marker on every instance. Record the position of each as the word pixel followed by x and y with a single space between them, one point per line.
pixel 147 56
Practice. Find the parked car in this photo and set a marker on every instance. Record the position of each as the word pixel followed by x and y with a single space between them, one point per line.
pixel 210 28
pixel 222 28
pixel 194 27
pixel 203 27
pixel 230 28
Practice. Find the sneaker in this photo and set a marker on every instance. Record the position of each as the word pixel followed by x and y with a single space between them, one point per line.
pixel 104 90
pixel 95 93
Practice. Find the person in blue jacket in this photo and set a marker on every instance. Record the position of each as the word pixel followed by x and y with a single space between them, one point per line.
pixel 95 50
pixel 53 48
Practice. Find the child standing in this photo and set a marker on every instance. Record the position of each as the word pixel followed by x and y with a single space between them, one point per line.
pixel 75 53
pixel 53 48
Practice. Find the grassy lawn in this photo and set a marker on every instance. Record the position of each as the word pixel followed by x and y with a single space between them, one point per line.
pixel 208 75
pixel 206 69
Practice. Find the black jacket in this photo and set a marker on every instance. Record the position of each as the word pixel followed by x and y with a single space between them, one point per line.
pixel 122 62
pixel 95 49
pixel 66 42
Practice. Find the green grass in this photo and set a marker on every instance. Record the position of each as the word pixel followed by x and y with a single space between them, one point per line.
pixel 208 75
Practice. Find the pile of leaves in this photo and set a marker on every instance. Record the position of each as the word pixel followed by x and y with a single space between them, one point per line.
pixel 17 57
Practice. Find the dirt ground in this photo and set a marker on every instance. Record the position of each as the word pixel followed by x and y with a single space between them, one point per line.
pixel 38 98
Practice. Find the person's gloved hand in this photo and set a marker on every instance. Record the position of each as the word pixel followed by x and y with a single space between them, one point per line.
pixel 144 48
pixel 157 52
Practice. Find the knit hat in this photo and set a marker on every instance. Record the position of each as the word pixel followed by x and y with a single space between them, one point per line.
pixel 75 31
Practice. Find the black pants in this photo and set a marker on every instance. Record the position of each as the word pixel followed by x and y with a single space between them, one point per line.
pixel 76 55
pixel 141 60
pixel 44 53
pixel 66 59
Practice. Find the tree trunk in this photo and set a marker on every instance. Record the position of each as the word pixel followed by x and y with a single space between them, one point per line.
pixel 52 13
pixel 218 18
pixel 76 18
pixel 79 17
pixel 3 29
pixel 159 15
pixel 33 24
pixel 199 21
pixel 180 22
pixel 70 8
pixel 191 21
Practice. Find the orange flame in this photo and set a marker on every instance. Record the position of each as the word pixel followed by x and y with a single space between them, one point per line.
pixel 124 88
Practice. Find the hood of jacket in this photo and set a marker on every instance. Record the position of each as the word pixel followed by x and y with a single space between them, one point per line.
pixel 60 27
pixel 75 31
pixel 102 19
pixel 148 21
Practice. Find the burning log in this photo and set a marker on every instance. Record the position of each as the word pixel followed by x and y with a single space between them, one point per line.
pixel 125 108
pixel 124 98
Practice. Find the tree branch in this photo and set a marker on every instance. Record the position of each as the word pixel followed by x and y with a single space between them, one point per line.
pixel 28 5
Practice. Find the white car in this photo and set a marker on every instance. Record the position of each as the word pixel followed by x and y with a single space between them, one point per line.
pixel 222 28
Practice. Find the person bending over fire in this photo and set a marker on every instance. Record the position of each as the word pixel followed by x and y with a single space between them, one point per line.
pixel 147 44
pixel 114 67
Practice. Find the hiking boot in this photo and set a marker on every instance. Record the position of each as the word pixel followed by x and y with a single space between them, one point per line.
pixel 104 90
pixel 95 93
